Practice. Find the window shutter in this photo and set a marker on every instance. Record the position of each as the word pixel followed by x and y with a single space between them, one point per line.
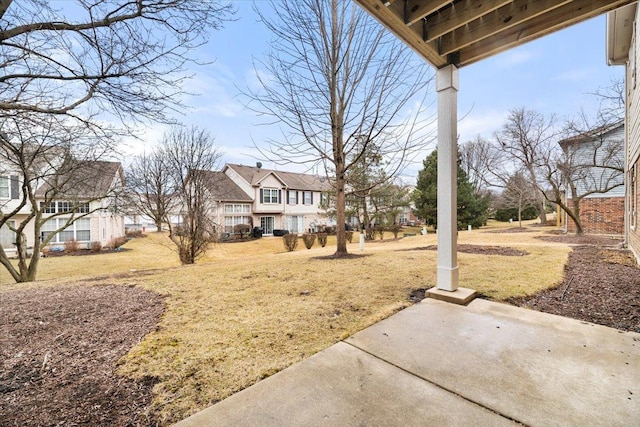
pixel 311 197
pixel 297 202
pixel 261 195
pixel 279 196
pixel 288 197
pixel 14 187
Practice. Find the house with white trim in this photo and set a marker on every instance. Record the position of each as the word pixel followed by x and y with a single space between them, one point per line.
pixel 279 200
pixel 623 48
pixel 596 162
pixel 87 198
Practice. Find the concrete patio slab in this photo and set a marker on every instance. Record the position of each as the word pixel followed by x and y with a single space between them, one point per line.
pixel 436 363
pixel 536 368
pixel 343 386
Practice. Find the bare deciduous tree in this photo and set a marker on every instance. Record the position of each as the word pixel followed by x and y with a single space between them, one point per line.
pixel 88 60
pixel 518 193
pixel 51 178
pixel 191 155
pixel 152 191
pixel 529 137
pixel 339 82
pixel 73 76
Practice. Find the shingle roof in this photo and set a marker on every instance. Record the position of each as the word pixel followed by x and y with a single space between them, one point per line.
pixel 86 180
pixel 222 188
pixel 295 181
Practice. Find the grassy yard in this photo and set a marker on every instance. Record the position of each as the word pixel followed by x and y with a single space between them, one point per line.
pixel 250 309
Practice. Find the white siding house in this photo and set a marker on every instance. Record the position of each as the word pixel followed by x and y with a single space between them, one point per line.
pixel 281 200
pixel 623 48
pixel 88 199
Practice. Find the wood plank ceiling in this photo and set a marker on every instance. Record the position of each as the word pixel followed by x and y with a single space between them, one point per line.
pixel 462 32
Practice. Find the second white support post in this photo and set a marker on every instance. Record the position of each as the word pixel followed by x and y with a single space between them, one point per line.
pixel 447 88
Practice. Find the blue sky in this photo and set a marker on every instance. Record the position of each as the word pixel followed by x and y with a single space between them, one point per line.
pixel 552 75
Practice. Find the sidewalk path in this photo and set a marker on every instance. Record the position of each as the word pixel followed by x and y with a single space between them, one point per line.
pixel 439 364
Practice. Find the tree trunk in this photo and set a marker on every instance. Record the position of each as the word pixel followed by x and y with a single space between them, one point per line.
pixel 341 237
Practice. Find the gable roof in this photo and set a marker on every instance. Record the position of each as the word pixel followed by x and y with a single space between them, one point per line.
pixel 591 135
pixel 86 180
pixel 222 188
pixel 292 180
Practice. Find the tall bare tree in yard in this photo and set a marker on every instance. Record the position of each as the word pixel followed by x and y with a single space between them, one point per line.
pixel 528 137
pixel 339 83
pixel 52 179
pixel 152 191
pixel 75 76
pixel 518 193
pixel 190 154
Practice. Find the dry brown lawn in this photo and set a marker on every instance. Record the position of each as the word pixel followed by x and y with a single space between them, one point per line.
pixel 250 309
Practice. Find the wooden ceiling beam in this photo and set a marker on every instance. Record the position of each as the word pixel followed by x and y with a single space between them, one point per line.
pixel 500 20
pixel 458 15
pixel 392 18
pixel 556 19
pixel 418 9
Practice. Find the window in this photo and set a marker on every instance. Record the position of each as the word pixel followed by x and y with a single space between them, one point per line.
pixel 295 223
pixel 230 221
pixel 5 188
pixel 324 199
pixel 64 206
pixel 79 230
pixel 7 236
pixel 231 208
pixel 270 196
pixel 308 197
pixel 292 196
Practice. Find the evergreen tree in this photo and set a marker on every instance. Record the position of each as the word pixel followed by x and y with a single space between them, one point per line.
pixel 472 204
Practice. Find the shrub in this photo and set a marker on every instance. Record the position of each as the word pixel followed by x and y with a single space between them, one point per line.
pixel 379 230
pixel 96 246
pixel 134 233
pixel 116 242
pixel 290 241
pixel 322 239
pixel 349 235
pixel 330 229
pixel 395 229
pixel 242 229
pixel 309 240
pixel 71 246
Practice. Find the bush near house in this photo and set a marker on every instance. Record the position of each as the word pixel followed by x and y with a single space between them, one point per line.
pixel 71 246
pixel 309 240
pixel 242 229
pixel 96 246
pixel 290 241
pixel 395 229
pixel 322 239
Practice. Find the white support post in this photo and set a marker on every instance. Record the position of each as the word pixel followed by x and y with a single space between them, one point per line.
pixel 447 88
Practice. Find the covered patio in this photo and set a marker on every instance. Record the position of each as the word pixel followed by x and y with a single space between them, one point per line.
pixel 453 34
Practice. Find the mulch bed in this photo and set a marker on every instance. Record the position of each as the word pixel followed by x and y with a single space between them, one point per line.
pixel 477 249
pixel 511 230
pixel 585 239
pixel 601 285
pixel 59 349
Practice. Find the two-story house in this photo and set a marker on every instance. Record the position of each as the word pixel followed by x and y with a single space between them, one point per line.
pixel 596 163
pixel 279 200
pixel 83 201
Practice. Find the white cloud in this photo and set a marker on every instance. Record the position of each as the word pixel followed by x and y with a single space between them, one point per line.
pixel 482 123
pixel 515 57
